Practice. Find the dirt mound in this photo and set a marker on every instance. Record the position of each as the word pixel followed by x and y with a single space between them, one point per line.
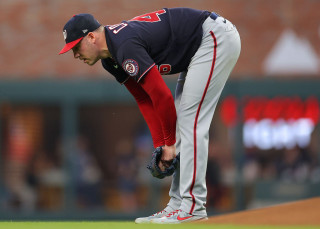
pixel 306 212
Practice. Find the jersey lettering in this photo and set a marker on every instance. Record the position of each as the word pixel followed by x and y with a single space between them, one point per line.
pixel 149 17
pixel 119 26
pixel 164 69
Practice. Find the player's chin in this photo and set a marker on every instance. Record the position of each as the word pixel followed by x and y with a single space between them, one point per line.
pixel 91 62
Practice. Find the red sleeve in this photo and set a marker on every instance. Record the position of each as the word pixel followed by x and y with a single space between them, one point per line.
pixel 163 103
pixel 146 107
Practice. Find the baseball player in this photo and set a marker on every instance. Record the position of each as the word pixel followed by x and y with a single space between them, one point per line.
pixel 200 45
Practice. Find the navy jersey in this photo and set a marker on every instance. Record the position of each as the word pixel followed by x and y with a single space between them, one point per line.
pixel 167 38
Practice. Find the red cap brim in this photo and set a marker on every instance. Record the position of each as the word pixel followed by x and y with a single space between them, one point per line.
pixel 70 45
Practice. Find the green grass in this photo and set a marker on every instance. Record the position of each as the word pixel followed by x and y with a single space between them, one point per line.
pixel 130 225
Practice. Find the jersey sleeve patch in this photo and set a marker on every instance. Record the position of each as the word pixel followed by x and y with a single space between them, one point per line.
pixel 131 67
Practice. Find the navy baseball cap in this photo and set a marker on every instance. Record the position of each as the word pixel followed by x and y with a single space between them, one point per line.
pixel 77 28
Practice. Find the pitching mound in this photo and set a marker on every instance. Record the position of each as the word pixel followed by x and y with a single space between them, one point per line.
pixel 306 212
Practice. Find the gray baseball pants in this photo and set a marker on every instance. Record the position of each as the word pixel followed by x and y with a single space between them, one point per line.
pixel 197 94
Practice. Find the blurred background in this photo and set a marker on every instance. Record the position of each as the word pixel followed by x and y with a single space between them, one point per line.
pixel 73 144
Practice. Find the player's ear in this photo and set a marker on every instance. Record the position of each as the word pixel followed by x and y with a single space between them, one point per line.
pixel 91 36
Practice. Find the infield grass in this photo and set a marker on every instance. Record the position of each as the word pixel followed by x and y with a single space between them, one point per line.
pixel 130 225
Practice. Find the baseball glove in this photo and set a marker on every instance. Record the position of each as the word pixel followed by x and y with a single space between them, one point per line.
pixel 154 164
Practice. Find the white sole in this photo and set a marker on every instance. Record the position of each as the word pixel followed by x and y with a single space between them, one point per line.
pixel 158 221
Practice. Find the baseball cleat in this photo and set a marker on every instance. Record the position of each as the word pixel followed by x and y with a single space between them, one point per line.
pixel 149 218
pixel 176 217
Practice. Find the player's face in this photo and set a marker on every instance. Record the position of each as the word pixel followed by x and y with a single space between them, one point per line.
pixel 86 50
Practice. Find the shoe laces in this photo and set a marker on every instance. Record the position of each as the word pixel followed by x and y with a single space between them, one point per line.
pixel 158 213
pixel 173 213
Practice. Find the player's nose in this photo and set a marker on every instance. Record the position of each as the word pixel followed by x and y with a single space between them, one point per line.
pixel 76 55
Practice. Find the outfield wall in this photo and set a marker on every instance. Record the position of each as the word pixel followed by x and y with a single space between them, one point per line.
pixel 50 131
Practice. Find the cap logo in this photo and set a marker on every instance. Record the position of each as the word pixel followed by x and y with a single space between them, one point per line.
pixel 64 34
pixel 85 30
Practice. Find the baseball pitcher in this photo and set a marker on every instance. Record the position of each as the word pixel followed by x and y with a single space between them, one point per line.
pixel 200 45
